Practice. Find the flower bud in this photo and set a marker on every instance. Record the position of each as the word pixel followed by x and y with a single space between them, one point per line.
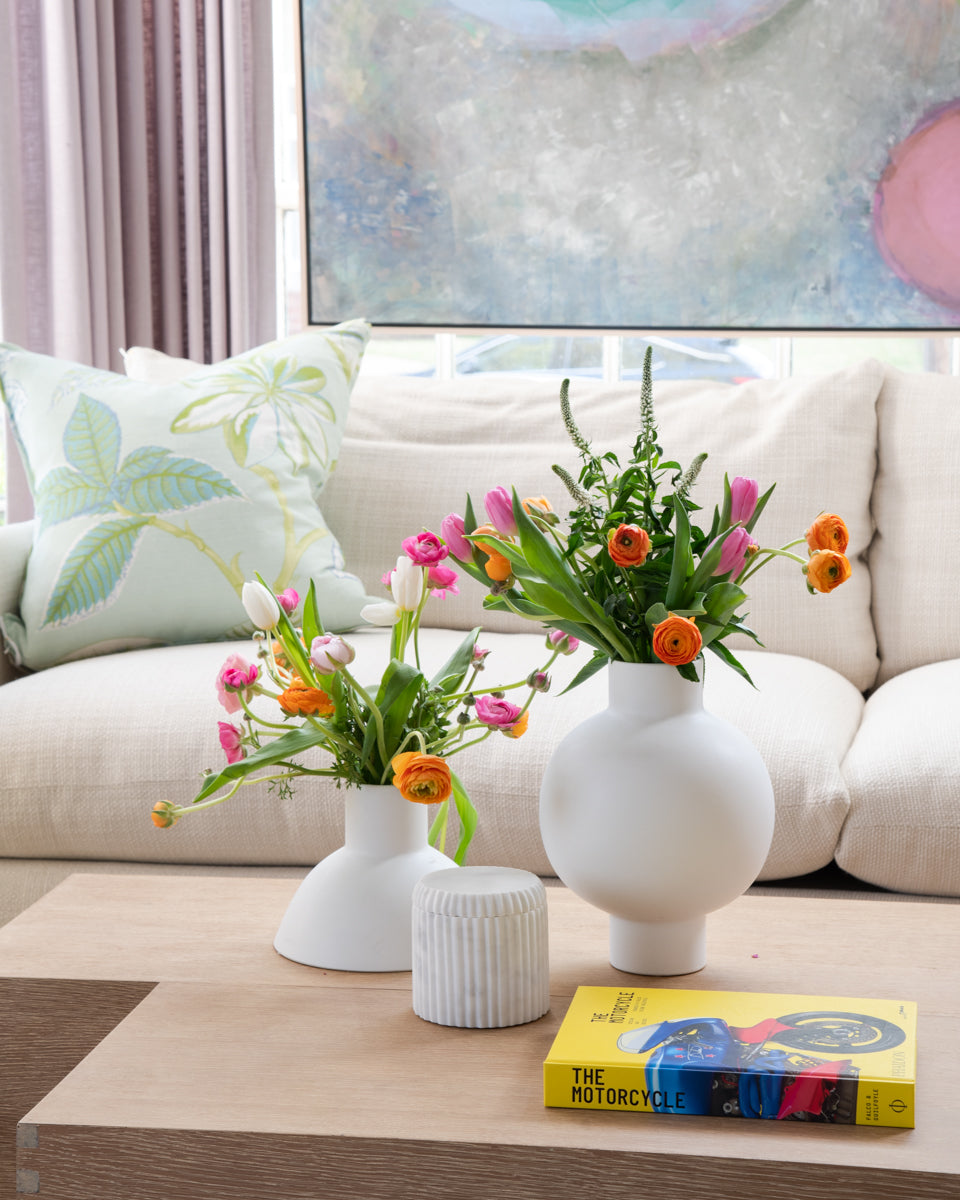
pixel 288 600
pixel 164 814
pixel 261 604
pixel 329 652
pixel 564 642
pixel 539 681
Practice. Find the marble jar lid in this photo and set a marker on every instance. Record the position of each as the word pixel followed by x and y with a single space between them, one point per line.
pixel 480 892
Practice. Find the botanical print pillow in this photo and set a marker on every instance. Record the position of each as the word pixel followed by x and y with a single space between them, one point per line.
pixel 156 501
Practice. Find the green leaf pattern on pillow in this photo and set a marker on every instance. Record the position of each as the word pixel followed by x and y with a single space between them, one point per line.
pixel 156 500
pixel 149 481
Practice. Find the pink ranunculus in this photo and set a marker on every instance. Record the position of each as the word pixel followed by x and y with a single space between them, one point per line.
pixel 451 530
pixel 425 549
pixel 236 676
pixel 499 713
pixel 329 652
pixel 479 657
pixel 734 552
pixel 288 600
pixel 231 740
pixel 499 506
pixel 744 494
pixel 566 643
pixel 442 582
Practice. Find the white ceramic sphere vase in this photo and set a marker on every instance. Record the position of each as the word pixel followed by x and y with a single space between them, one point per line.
pixel 657 812
pixel 354 911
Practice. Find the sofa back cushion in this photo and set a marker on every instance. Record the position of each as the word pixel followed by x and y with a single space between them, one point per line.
pixel 917 519
pixel 414 447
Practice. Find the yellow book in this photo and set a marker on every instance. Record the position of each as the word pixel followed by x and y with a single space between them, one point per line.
pixel 736 1054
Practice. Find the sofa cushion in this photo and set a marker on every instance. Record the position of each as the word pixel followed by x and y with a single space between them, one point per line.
pixel 155 501
pixel 69 791
pixel 903 775
pixel 918 520
pixel 413 448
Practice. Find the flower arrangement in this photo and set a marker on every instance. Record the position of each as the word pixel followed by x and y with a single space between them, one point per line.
pixel 632 574
pixel 402 730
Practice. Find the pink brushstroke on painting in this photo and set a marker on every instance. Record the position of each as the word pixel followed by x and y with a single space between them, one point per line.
pixel 916 207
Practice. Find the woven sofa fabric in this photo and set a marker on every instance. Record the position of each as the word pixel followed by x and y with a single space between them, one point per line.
pixel 424 444
pixel 156 501
pixel 83 795
pixel 917 514
pixel 903 777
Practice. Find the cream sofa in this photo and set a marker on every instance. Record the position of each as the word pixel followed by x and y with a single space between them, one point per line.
pixel 855 708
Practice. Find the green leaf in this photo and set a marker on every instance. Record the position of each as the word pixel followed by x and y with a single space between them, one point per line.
pixel 93 570
pixel 175 483
pixel 452 673
pixel 91 441
pixel 723 600
pixel 682 558
pixel 286 746
pixel 655 614
pixel 312 626
pixel 399 688
pixel 586 672
pixel 468 819
pixel 761 505
pixel 721 651
pixel 64 493
pixel 299 659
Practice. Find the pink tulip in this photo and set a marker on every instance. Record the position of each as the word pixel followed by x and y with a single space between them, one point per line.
pixel 425 549
pixel 329 652
pixel 744 494
pixel 564 642
pixel 499 506
pixel 288 600
pixel 442 582
pixel 735 547
pixel 231 740
pixel 451 530
pixel 498 713
pixel 236 677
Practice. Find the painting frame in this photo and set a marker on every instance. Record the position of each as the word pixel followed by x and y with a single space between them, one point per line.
pixel 900 307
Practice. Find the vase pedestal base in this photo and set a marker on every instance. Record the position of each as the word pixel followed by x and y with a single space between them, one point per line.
pixel 658 947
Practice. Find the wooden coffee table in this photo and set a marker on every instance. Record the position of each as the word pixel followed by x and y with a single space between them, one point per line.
pixel 153 1044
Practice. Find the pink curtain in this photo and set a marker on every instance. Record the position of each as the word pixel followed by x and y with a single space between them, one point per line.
pixel 137 202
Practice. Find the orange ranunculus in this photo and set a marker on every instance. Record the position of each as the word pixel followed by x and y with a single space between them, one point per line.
pixel 164 814
pixel 828 532
pixel 300 700
pixel 519 728
pixel 628 545
pixel 423 778
pixel 541 508
pixel 677 640
pixel 826 569
pixel 497 565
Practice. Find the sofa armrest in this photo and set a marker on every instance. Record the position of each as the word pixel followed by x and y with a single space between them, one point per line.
pixel 15 543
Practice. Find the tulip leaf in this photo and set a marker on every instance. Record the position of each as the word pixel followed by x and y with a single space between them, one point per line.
pixel 468 819
pixel 285 747
pixel 399 689
pixel 94 569
pixel 451 674
pixel 291 643
pixel 721 651
pixel 682 558
pixel 312 626
pixel 761 505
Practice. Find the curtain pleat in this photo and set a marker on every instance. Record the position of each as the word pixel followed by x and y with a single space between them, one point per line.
pixel 137 201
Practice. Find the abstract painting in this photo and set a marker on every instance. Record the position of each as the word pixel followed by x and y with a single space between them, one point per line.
pixel 633 164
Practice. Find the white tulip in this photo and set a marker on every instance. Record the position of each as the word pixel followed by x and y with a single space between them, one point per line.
pixel 406 584
pixel 261 605
pixel 384 612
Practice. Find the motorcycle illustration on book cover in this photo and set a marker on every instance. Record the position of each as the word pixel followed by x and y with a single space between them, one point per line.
pixel 764 1071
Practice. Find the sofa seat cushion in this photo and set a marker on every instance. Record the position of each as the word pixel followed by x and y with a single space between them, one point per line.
pixel 903 775
pixel 142 725
pixel 414 447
